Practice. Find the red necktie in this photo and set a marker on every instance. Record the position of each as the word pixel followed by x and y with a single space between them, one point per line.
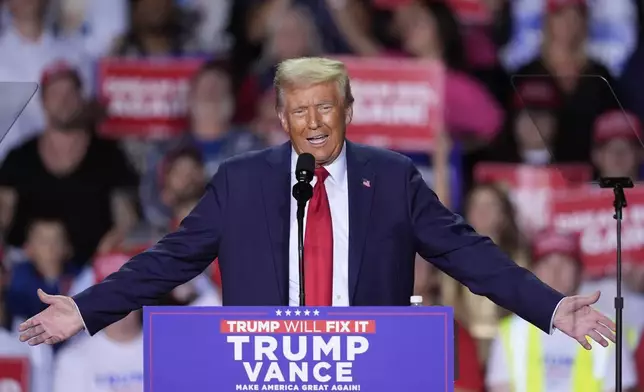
pixel 318 246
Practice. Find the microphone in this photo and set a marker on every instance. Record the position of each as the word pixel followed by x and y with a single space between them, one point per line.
pixel 302 192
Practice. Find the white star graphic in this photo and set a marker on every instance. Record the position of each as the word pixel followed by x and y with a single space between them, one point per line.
pixel 297 312
pixel 278 312
pixel 287 312
pixel 316 312
pixel 307 312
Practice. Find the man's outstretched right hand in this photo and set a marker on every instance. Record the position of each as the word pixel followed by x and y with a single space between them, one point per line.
pixel 59 322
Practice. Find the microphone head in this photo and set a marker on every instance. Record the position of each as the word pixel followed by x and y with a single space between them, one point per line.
pixel 305 167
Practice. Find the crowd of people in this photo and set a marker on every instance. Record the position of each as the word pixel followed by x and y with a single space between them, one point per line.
pixel 537 83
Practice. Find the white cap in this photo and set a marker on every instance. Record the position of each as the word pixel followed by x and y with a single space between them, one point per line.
pixel 416 299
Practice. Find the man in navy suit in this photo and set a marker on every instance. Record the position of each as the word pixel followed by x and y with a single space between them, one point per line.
pixel 370 213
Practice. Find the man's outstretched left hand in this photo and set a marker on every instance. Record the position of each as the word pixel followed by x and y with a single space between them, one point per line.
pixel 576 318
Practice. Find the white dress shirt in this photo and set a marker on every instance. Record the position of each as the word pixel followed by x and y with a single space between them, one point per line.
pixel 338 193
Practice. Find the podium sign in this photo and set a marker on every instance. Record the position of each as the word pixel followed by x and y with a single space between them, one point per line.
pixel 368 349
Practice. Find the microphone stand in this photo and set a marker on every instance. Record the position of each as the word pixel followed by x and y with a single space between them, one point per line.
pixel 618 184
pixel 302 192
pixel 301 207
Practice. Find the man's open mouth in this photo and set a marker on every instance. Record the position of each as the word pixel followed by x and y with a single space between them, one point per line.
pixel 318 140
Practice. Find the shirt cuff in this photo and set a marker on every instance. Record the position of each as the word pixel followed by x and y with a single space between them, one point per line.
pixel 81 317
pixel 552 320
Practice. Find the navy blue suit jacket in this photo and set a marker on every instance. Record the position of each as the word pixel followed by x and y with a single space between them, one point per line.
pixel 243 218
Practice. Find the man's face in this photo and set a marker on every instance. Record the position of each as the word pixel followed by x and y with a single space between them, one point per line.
pixel 418 30
pixel 316 119
pixel 568 25
pixel 559 272
pixel 485 212
pixel 63 102
pixel 617 158
pixel 211 99
pixel 292 38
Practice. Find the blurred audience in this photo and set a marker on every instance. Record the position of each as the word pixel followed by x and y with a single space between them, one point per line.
pixel 429 30
pixel 532 125
pixel 68 172
pixel 39 359
pixel 470 375
pixel 522 355
pixel 156 29
pixel 30 45
pixel 489 210
pixel 212 134
pixel 586 86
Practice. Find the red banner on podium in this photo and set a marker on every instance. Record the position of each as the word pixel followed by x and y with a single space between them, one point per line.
pixel 588 211
pixel 15 373
pixel 145 98
pixel 531 188
pixel 398 102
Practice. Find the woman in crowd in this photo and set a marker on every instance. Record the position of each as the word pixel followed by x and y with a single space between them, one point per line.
pixel 584 84
pixel 291 33
pixel 212 134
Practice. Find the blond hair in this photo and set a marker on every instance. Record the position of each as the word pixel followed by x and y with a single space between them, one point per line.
pixel 308 71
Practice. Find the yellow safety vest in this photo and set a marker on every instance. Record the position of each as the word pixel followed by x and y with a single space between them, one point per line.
pixel 523 345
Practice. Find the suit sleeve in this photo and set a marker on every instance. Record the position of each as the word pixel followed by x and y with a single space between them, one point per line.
pixel 444 239
pixel 175 259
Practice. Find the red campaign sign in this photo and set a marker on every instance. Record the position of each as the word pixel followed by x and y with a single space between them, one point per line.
pixel 145 98
pixel 531 188
pixel 588 211
pixel 471 11
pixel 398 102
pixel 15 373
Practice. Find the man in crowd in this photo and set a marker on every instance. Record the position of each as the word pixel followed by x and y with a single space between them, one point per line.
pixel 211 103
pixel 376 195
pixel 522 357
pixel 39 359
pixel 33 45
pixel 69 173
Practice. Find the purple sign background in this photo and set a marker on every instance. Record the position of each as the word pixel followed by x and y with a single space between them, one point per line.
pixel 411 349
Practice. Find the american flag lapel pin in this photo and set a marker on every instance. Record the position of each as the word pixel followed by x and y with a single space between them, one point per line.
pixel 366 183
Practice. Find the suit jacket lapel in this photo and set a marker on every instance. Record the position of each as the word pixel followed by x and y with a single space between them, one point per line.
pixel 276 181
pixel 361 185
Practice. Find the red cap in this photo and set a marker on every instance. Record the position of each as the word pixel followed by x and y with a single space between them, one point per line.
pixel 616 124
pixel 556 5
pixel 551 242
pixel 56 70
pixel 538 93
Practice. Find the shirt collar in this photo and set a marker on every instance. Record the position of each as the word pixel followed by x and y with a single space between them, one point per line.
pixel 337 169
